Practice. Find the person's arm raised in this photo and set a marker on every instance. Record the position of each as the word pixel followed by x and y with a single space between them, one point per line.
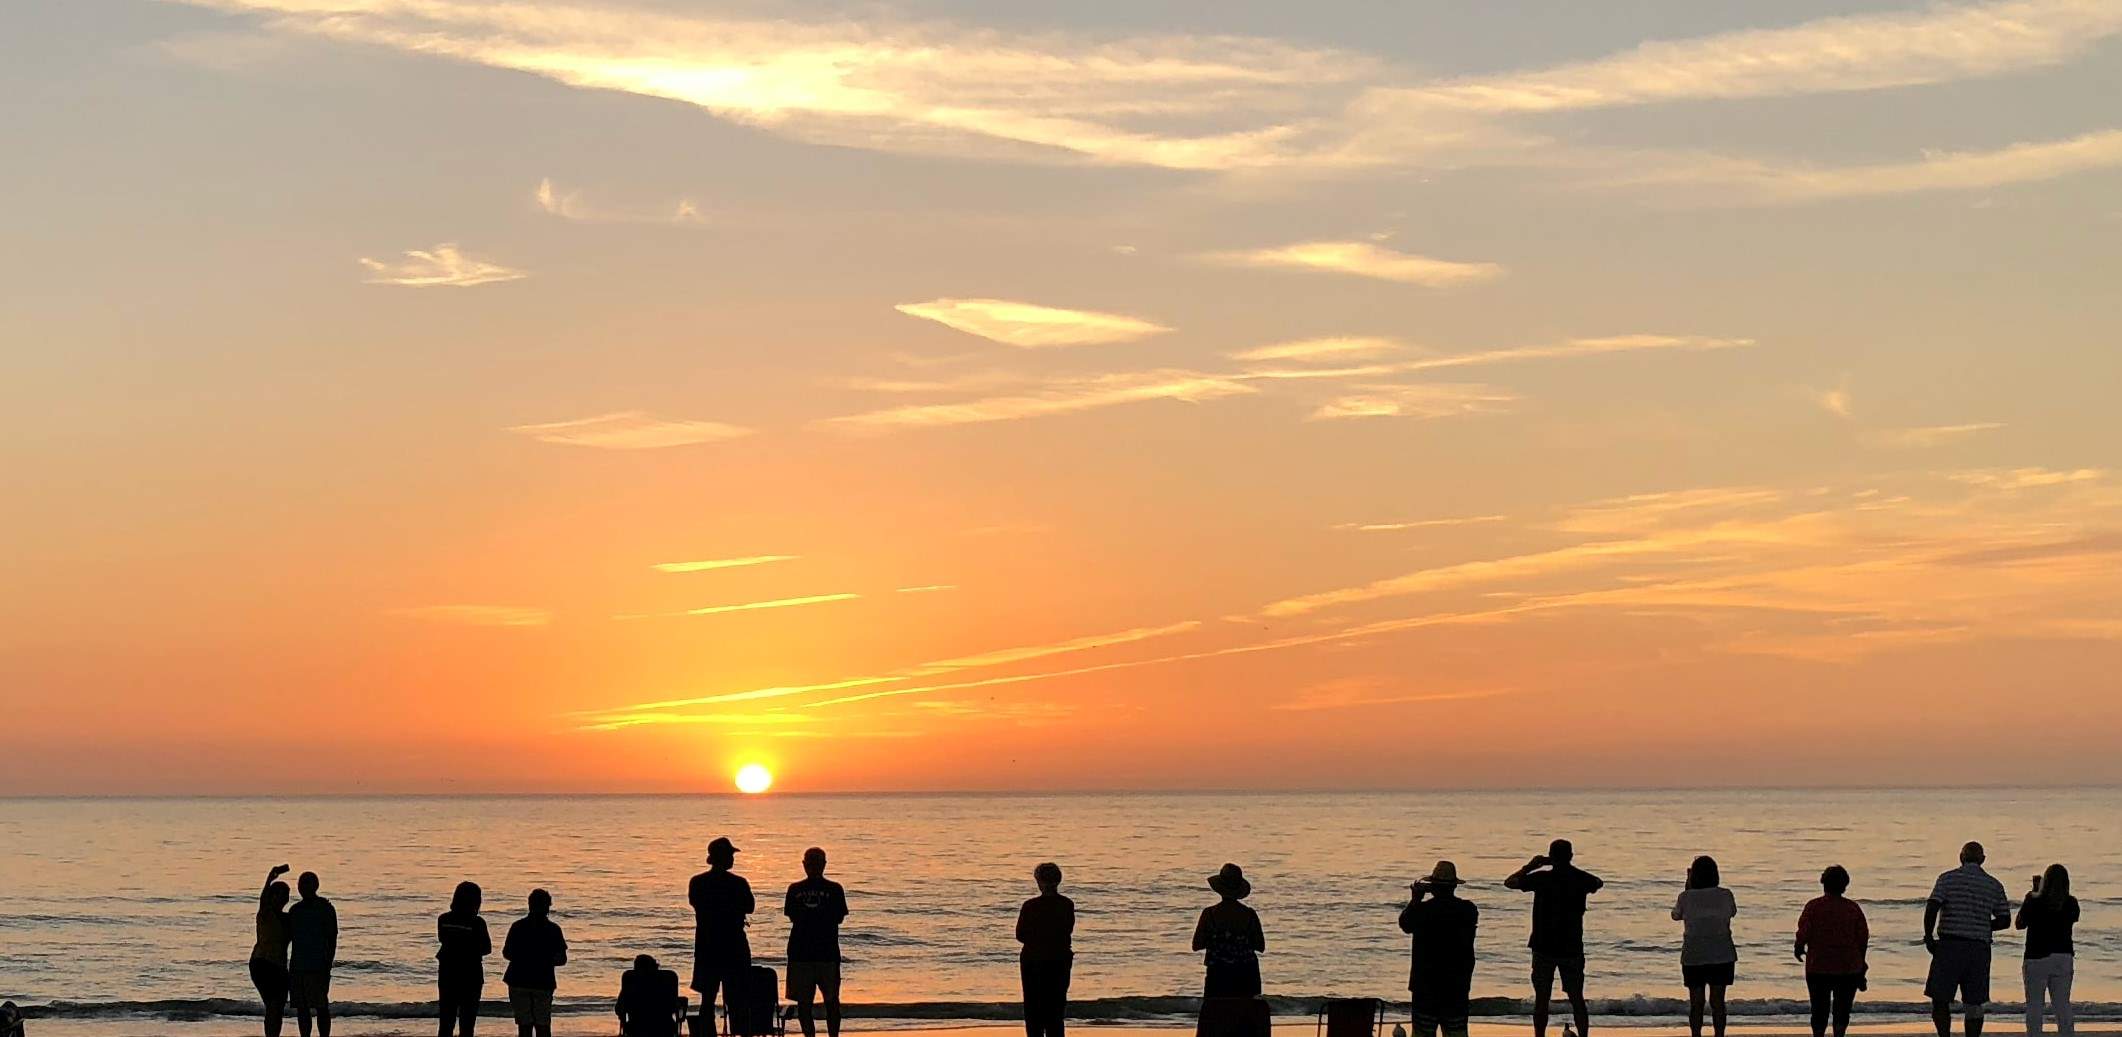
pixel 1517 878
pixel 266 889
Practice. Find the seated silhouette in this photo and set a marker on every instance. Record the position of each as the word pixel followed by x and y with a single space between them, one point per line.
pixel 649 1004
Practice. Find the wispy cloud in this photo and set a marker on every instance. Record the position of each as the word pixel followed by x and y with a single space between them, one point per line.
pixel 1425 400
pixel 1936 44
pixel 1063 396
pixel 1317 350
pixel 443 266
pixel 709 564
pixel 1364 259
pixel 1357 692
pixel 1002 656
pixel 1929 435
pixel 1030 326
pixel 1771 182
pixel 1835 401
pixel 1394 527
pixel 630 430
pixel 2027 478
pixel 479 615
pixel 571 205
pixel 775 603
pixel 927 588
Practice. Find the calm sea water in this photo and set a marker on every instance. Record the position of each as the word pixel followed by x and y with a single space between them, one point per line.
pixel 142 908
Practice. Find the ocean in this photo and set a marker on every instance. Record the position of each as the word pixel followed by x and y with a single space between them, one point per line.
pixel 118 911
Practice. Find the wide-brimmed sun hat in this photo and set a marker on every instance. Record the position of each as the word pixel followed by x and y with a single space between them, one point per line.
pixel 1444 874
pixel 1231 883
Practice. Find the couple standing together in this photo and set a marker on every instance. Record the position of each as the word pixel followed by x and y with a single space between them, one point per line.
pixel 722 953
pixel 1442 927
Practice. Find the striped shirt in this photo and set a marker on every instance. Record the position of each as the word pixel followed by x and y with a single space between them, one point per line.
pixel 1968 898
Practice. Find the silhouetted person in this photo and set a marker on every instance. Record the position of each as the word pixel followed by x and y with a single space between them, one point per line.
pixel 648 1000
pixel 1229 934
pixel 815 908
pixel 460 969
pixel 1965 908
pixel 269 953
pixel 1046 925
pixel 1832 939
pixel 1440 973
pixel 1559 889
pixel 721 901
pixel 534 948
pixel 2047 914
pixel 1708 957
pixel 313 947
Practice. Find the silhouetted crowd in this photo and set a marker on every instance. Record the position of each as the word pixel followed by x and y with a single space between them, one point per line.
pixel 297 945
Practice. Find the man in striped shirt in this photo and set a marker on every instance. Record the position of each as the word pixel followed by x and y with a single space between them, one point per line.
pixel 1965 907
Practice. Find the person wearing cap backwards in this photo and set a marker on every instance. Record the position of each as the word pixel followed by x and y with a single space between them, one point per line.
pixel 1441 970
pixel 815 908
pixel 1229 934
pixel 721 899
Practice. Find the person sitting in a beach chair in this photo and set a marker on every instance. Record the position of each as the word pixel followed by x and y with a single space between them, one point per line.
pixel 649 1004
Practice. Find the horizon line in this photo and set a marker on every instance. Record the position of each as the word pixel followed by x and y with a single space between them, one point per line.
pixel 1072 792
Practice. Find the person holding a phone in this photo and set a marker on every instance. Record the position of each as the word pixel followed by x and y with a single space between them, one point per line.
pixel 1441 967
pixel 2047 915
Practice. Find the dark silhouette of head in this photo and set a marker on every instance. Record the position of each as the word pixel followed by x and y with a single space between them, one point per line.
pixel 2055 882
pixel 1972 854
pixel 1230 883
pixel 721 853
pixel 541 902
pixel 1702 874
pixel 1835 880
pixel 307 883
pixel 814 862
pixel 1561 852
pixel 466 899
pixel 645 963
pixel 276 896
pixel 1048 876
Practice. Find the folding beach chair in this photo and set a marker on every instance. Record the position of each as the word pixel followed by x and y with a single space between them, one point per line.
pixel 756 1010
pixel 650 1005
pixel 1351 1017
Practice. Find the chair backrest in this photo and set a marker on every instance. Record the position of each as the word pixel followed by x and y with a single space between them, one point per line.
pixel 1351 1017
pixel 652 1003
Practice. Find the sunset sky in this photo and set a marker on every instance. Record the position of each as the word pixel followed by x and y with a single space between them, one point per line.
pixel 447 395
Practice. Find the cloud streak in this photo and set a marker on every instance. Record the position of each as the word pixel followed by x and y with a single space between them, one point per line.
pixel 443 266
pixel 1063 396
pixel 1425 400
pixel 630 430
pixel 710 564
pixel 1030 326
pixel 1364 259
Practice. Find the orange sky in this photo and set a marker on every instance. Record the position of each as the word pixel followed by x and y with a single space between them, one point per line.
pixel 1085 400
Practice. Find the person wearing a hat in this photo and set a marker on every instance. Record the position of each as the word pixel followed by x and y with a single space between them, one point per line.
pixel 1441 970
pixel 1230 938
pixel 721 901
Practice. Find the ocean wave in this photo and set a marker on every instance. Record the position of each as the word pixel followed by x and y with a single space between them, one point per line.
pixel 1105 1009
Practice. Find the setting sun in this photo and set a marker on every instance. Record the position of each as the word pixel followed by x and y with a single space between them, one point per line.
pixel 753 778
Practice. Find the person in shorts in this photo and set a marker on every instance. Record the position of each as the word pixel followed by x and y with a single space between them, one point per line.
pixel 313 947
pixel 1966 906
pixel 1559 889
pixel 815 908
pixel 535 948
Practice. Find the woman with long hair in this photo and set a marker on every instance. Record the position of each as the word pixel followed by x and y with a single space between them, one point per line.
pixel 2047 914
pixel 460 972
pixel 269 953
pixel 1707 955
